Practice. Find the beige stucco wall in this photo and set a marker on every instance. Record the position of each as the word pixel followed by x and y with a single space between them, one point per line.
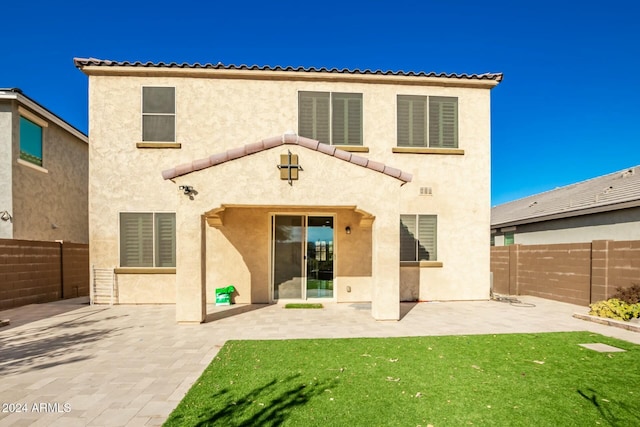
pixel 213 115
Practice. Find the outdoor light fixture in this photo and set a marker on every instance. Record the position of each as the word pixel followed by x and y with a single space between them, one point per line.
pixel 6 216
pixel 188 191
pixel 348 230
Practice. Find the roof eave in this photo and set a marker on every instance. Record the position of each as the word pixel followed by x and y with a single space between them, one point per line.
pixel 44 112
pixel 262 74
pixel 568 214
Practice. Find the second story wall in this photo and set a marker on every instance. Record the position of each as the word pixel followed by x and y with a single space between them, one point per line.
pixel 6 202
pixel 50 200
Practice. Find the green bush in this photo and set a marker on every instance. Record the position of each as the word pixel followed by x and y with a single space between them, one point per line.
pixel 630 295
pixel 614 308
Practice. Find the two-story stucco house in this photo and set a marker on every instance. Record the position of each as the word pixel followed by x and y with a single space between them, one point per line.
pixel 289 184
pixel 43 173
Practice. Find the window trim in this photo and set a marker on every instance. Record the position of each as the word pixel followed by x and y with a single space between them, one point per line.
pixel 146 270
pixel 158 144
pixel 428 148
pixel 346 147
pixel 23 113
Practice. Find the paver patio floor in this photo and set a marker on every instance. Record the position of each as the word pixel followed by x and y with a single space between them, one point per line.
pixel 131 365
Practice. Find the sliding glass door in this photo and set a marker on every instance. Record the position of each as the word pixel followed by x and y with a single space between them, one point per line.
pixel 302 256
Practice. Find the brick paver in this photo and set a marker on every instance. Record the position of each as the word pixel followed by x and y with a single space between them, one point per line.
pixel 130 365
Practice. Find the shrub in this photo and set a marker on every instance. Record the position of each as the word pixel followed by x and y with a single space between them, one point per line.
pixel 613 308
pixel 630 295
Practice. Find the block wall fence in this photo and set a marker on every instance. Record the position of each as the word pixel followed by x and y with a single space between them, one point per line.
pixel 33 272
pixel 577 273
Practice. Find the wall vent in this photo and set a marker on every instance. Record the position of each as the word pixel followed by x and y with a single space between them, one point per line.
pixel 426 191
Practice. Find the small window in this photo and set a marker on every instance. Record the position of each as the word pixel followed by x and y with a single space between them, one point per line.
pixel 30 141
pixel 159 114
pixel 509 238
pixel 418 237
pixel 147 240
pixel 331 118
pixel 427 121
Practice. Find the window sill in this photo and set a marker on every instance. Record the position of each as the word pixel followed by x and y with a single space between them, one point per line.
pixel 31 165
pixel 353 148
pixel 418 150
pixel 145 270
pixel 421 264
pixel 158 145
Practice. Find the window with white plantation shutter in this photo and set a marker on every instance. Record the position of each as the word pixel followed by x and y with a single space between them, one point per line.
pixel 346 118
pixel 147 240
pixel 313 116
pixel 412 121
pixel 331 118
pixel 159 114
pixel 427 121
pixel 418 237
pixel 165 241
pixel 407 238
pixel 443 122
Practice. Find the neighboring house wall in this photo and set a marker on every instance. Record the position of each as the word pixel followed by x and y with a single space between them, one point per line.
pixel 577 273
pixel 6 161
pixel 51 205
pixel 219 113
pixel 621 224
pixel 47 202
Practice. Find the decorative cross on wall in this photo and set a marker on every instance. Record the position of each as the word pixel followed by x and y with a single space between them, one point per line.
pixel 289 167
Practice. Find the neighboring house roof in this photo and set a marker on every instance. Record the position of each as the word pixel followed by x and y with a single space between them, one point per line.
pixel 275 141
pixel 17 94
pixel 614 191
pixel 88 62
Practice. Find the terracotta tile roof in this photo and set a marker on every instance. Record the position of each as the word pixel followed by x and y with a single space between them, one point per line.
pixel 275 141
pixel 609 192
pixel 86 62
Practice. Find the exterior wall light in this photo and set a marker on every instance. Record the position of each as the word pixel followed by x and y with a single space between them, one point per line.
pixel 348 230
pixel 6 216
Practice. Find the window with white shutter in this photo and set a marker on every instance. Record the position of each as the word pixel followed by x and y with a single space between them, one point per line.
pixel 418 237
pixel 147 239
pixel 427 121
pixel 331 118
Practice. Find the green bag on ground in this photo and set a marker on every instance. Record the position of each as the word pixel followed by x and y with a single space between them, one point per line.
pixel 223 295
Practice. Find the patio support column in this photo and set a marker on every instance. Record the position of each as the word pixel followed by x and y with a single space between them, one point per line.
pixel 190 257
pixel 385 295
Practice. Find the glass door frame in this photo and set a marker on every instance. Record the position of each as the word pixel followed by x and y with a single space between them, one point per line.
pixel 272 242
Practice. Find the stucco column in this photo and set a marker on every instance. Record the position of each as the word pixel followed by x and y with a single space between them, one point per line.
pixel 190 253
pixel 385 295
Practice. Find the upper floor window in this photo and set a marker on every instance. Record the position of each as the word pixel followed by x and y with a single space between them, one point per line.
pixel 30 141
pixel 427 121
pixel 331 117
pixel 418 237
pixel 159 114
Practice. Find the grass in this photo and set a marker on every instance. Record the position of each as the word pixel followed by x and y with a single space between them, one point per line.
pixel 496 380
pixel 303 305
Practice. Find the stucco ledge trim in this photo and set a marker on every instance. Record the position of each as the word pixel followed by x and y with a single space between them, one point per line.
pixel 32 166
pixel 417 150
pixel 422 264
pixel 142 270
pixel 158 145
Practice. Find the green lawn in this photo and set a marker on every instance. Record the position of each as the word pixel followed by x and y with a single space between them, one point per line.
pixel 498 380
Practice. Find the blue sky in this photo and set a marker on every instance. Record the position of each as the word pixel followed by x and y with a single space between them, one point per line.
pixel 567 110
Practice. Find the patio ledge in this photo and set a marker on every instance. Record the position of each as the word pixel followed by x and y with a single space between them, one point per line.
pixel 629 326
